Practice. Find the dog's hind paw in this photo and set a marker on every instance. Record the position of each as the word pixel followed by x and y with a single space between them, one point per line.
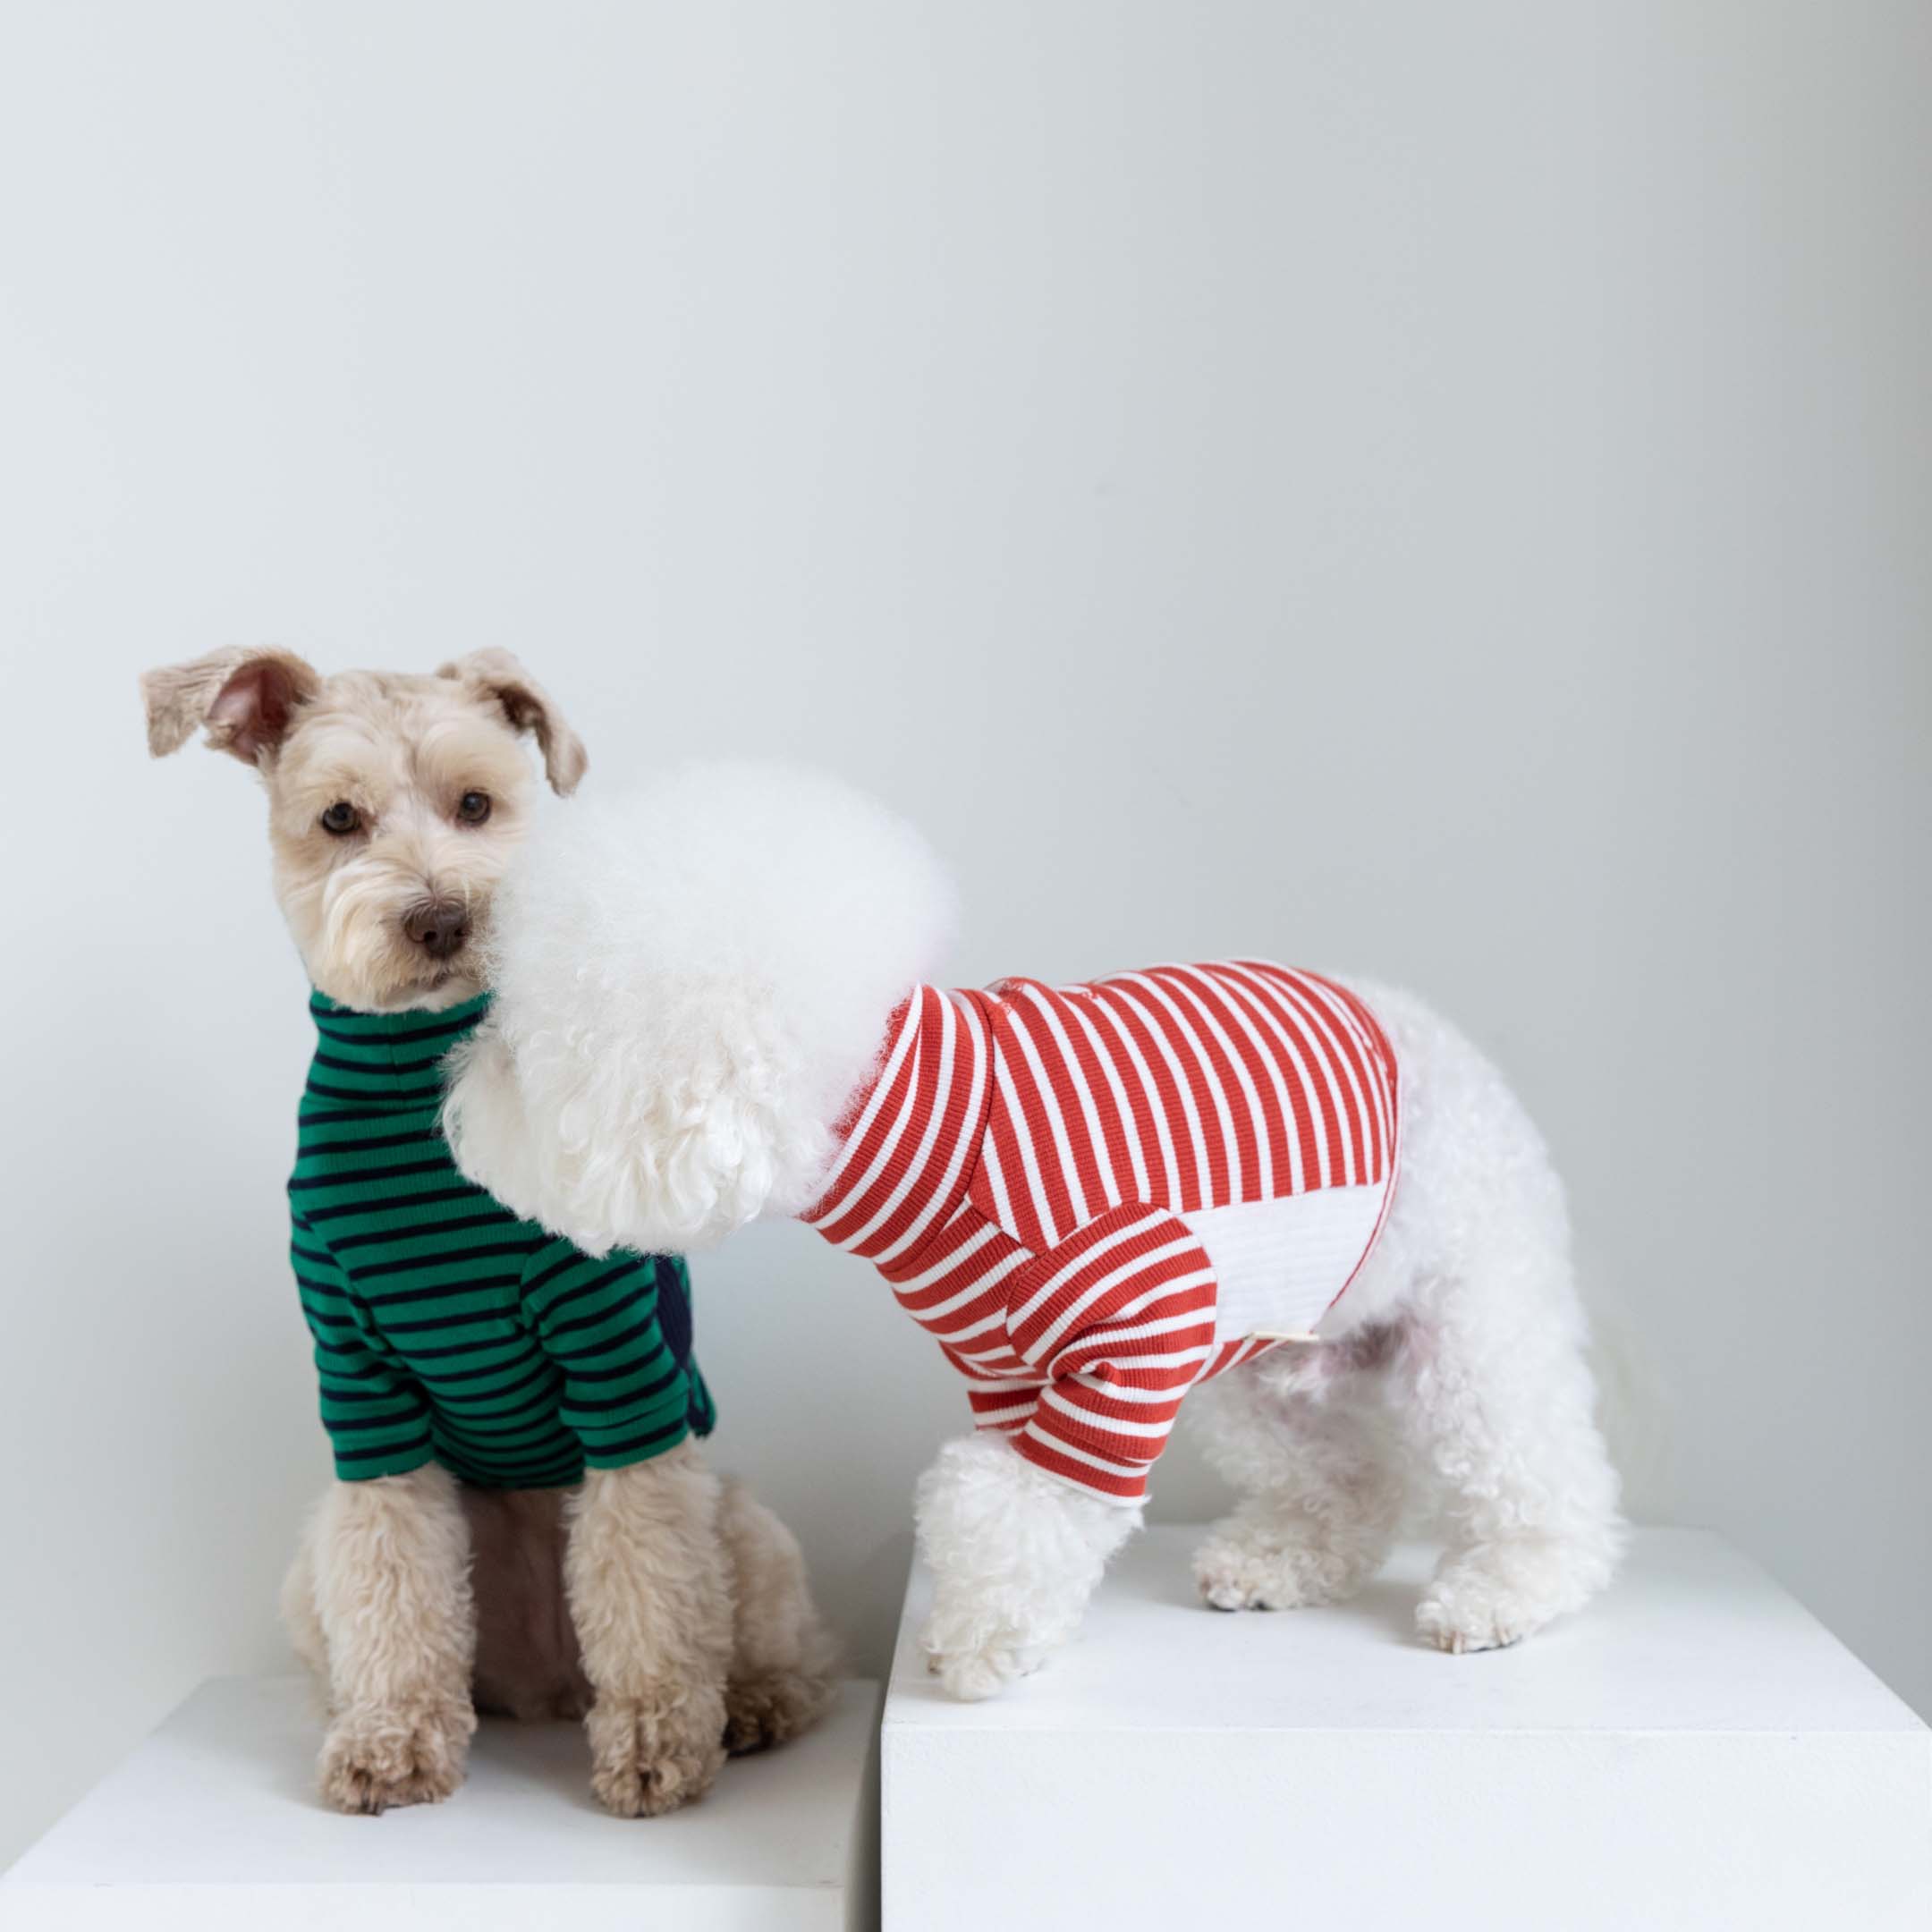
pixel 405 1755
pixel 770 1707
pixel 1241 1569
pixel 1495 1594
pixel 650 1755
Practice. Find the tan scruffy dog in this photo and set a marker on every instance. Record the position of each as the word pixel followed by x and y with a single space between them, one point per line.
pixel 668 1609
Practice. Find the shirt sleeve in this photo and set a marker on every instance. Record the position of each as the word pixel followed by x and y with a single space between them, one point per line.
pixel 619 1329
pixel 1120 1320
pixel 1002 1404
pixel 376 1421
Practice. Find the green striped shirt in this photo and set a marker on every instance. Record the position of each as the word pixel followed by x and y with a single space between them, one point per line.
pixel 446 1328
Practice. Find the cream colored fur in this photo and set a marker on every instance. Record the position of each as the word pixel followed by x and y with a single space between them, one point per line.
pixel 402 751
pixel 671 1612
pixel 383 1610
pixel 650 1595
pixel 783 1658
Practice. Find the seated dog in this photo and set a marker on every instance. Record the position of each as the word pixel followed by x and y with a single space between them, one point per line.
pixel 521 1522
pixel 1310 1200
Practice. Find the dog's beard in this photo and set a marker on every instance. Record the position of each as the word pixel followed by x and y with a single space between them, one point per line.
pixel 358 954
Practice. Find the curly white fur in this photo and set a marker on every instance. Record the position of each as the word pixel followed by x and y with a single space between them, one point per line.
pixel 689 983
pixel 1015 1554
pixel 689 994
pixel 1455 1366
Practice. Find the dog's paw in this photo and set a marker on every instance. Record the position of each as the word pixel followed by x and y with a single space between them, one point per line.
pixel 1465 1618
pixel 650 1755
pixel 1239 1570
pixel 406 1754
pixel 770 1707
pixel 976 1666
pixel 972 1676
pixel 1492 1597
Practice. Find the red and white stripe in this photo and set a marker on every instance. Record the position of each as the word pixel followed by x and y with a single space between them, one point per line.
pixel 1018 1167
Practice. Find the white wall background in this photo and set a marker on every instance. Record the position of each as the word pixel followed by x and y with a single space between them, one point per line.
pixel 1440 490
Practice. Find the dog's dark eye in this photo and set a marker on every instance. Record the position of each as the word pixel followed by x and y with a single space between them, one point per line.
pixel 473 807
pixel 341 819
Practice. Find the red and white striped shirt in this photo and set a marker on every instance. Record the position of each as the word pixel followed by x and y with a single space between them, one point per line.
pixel 1097 1196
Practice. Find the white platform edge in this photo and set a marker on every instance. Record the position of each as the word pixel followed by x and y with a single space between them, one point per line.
pixel 1694 1752
pixel 528 1787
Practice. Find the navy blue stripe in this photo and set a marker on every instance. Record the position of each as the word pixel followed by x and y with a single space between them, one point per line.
pixel 400 1095
pixel 384 1032
pixel 357 1175
pixel 428 1231
pixel 575 1403
pixel 639 1442
pixel 443 1257
pixel 388 1449
pixel 433 1197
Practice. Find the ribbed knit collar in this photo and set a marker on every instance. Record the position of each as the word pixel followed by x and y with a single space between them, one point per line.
pixel 384 1060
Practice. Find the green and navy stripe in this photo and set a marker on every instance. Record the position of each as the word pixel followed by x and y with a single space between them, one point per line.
pixel 446 1328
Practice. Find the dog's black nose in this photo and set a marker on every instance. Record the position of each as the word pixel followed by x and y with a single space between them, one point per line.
pixel 438 925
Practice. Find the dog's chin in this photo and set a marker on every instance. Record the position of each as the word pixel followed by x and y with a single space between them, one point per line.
pixel 450 986
pixel 447 984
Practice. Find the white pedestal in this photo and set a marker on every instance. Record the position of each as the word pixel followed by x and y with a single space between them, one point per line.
pixel 1692 1751
pixel 214 1823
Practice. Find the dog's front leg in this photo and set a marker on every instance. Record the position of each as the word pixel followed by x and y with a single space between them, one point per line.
pixel 389 1563
pixel 649 1594
pixel 1014 1554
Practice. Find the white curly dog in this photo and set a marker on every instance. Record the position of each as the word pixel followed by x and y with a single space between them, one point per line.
pixel 697 988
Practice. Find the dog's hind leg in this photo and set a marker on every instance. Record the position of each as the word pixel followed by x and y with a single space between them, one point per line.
pixel 1498 1397
pixel 650 1595
pixel 783 1657
pixel 1489 1381
pixel 1300 1434
pixel 388 1609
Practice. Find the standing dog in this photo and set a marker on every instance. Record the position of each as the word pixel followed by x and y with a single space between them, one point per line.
pixel 1317 1201
pixel 467 1558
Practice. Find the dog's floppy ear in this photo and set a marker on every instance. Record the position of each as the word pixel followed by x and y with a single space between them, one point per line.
pixel 246 697
pixel 497 674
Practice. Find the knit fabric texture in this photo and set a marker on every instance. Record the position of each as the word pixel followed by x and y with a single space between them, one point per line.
pixel 446 1328
pixel 1095 1197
